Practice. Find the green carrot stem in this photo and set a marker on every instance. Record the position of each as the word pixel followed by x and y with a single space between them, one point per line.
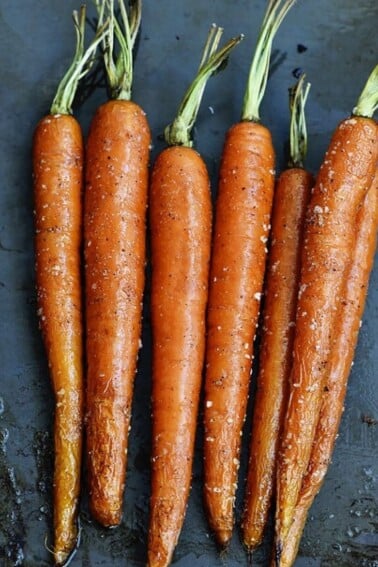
pixel 298 129
pixel 135 19
pixel 179 131
pixel 118 59
pixel 81 64
pixel 258 74
pixel 367 103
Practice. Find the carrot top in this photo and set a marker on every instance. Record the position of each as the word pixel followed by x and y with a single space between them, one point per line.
pixel 367 103
pixel 298 130
pixel 81 64
pixel 258 74
pixel 179 131
pixel 119 61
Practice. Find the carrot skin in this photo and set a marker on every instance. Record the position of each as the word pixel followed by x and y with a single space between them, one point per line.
pixel 343 181
pixel 58 183
pixel 290 201
pixel 180 221
pixel 350 314
pixel 114 225
pixel 241 231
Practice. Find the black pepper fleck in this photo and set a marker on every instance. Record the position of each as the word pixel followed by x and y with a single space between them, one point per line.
pixel 297 72
pixel 301 48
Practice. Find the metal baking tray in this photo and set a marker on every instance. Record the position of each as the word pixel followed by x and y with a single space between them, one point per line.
pixel 36 45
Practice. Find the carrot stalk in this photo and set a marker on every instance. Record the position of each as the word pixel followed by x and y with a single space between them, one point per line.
pixel 242 223
pixel 58 184
pixel 258 74
pixel 344 178
pixel 180 221
pixel 298 127
pixel 340 365
pixel 116 176
pixel 367 103
pixel 179 132
pixel 289 207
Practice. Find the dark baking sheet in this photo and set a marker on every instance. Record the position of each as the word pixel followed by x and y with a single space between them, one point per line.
pixel 36 44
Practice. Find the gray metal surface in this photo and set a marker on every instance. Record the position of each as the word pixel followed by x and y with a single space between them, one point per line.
pixel 36 43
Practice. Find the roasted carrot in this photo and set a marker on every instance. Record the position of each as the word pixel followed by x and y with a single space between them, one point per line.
pixel 342 357
pixel 344 178
pixel 58 184
pixel 242 221
pixel 180 221
pixel 116 177
pixel 290 201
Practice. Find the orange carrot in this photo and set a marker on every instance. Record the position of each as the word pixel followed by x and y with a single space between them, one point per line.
pixel 58 183
pixel 341 186
pixel 180 220
pixel 342 357
pixel 289 207
pixel 114 227
pixel 241 231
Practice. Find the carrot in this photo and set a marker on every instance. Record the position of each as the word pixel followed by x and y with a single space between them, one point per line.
pixel 115 203
pixel 281 286
pixel 341 362
pixel 242 222
pixel 58 183
pixel 341 186
pixel 180 221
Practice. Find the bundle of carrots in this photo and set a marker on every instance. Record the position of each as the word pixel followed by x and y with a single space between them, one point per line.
pixel 291 196
pixel 58 161
pixel 239 252
pixel 337 256
pixel 116 179
pixel 307 246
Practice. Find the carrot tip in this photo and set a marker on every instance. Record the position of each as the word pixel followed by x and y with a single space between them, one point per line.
pixel 106 518
pixel 64 559
pixel 249 557
pixel 223 540
pixel 223 548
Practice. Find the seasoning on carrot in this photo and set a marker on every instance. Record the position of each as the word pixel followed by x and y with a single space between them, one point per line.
pixel 180 221
pixel 344 178
pixel 114 233
pixel 290 201
pixel 58 184
pixel 241 232
pixel 349 316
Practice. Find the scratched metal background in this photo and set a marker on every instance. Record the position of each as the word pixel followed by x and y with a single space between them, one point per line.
pixel 36 44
